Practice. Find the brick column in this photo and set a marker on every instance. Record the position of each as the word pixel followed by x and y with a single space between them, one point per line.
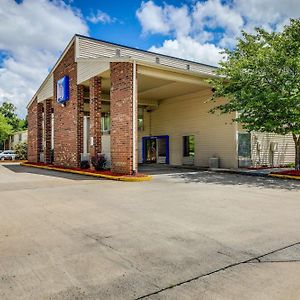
pixel 47 120
pixel 95 115
pixel 121 109
pixel 35 111
pixel 80 115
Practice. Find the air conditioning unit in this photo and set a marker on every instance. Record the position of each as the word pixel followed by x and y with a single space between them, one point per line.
pixel 245 162
pixel 214 162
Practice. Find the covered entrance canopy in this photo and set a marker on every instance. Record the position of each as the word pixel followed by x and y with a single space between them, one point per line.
pixel 151 86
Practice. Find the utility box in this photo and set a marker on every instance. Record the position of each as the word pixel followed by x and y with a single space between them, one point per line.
pixel 214 162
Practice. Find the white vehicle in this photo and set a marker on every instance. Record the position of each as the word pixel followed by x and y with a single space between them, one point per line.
pixel 7 155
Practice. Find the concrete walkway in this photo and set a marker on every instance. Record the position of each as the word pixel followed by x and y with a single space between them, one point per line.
pixel 192 235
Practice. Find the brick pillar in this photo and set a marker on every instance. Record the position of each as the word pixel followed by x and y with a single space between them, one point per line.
pixel 80 115
pixel 95 115
pixel 121 109
pixel 47 125
pixel 35 111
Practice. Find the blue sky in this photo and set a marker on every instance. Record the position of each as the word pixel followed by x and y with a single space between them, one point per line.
pixel 33 33
pixel 126 29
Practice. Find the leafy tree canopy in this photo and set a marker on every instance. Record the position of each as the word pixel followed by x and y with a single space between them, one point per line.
pixel 8 110
pixel 5 128
pixel 261 80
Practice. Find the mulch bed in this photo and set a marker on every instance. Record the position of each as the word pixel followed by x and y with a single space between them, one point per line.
pixel 102 172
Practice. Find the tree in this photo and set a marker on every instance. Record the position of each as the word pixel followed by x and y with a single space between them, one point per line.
pixel 8 110
pixel 261 81
pixel 5 129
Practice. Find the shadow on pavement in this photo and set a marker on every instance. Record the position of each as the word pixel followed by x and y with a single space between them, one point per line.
pixel 161 169
pixel 238 179
pixel 22 169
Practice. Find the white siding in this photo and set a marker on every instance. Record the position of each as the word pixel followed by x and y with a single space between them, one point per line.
pixel 89 69
pixel 214 135
pixel 46 91
pixel 15 138
pixel 88 48
pixel 284 155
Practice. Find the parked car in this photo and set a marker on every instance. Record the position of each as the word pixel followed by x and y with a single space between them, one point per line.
pixel 7 154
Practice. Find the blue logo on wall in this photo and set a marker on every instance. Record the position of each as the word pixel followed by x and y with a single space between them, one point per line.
pixel 62 90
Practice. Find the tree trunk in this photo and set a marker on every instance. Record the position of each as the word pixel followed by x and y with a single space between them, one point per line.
pixel 297 151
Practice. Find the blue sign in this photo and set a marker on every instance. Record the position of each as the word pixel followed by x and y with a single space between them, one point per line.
pixel 62 90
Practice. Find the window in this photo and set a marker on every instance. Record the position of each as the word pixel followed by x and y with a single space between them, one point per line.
pixel 189 146
pixel 105 122
pixel 244 144
pixel 20 137
pixel 86 134
pixel 141 119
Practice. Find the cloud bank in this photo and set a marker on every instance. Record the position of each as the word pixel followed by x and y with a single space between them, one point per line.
pixel 32 35
pixel 200 30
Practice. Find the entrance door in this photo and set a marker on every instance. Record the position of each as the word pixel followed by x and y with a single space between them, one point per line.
pixel 150 150
pixel 156 149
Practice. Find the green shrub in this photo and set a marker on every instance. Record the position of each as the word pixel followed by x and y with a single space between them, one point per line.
pixel 21 150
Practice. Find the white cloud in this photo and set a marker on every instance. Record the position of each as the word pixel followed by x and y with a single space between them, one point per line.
pixel 152 18
pixel 32 34
pixel 213 14
pixel 188 48
pixel 201 27
pixel 164 20
pixel 100 17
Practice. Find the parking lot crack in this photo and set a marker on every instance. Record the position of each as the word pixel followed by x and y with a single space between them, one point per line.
pixel 251 260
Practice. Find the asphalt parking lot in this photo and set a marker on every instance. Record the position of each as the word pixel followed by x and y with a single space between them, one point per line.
pixel 184 235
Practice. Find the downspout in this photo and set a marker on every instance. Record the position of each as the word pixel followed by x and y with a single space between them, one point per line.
pixel 134 120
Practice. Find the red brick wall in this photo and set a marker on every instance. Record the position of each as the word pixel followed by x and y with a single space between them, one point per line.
pixel 121 109
pixel 95 114
pixel 68 120
pixel 34 131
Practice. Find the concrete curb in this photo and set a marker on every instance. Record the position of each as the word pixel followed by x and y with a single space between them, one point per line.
pixel 110 177
pixel 285 176
pixel 258 174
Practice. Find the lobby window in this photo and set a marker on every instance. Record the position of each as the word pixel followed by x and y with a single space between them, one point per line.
pixel 105 122
pixel 244 144
pixel 189 146
pixel 141 119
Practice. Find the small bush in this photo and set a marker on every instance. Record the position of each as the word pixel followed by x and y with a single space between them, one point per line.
pixel 99 162
pixel 85 164
pixel 21 150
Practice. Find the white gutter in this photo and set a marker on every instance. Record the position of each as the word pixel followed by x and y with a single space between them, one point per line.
pixel 134 119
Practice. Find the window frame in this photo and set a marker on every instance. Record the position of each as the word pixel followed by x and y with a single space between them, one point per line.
pixel 188 145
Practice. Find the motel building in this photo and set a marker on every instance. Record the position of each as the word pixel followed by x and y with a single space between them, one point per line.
pixel 136 107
